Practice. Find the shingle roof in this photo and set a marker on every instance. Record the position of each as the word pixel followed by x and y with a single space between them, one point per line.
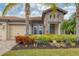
pixel 36 18
pixel 14 18
pixel 10 18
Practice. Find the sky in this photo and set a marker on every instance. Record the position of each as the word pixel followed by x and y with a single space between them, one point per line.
pixel 37 9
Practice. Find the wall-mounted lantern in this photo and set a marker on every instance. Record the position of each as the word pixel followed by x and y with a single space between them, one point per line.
pixel 3 26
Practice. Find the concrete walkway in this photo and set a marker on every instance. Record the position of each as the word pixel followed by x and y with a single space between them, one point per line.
pixel 6 46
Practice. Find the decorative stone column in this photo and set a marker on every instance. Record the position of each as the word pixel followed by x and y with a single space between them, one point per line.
pixel 46 26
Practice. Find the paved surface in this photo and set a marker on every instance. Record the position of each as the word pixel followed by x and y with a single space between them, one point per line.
pixel 6 46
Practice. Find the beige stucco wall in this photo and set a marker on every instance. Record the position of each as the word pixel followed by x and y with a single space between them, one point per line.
pixel 0 31
pixel 57 29
pixel 4 30
pixel 30 29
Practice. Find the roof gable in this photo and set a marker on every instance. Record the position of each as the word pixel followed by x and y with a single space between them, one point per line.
pixel 49 10
pixel 58 9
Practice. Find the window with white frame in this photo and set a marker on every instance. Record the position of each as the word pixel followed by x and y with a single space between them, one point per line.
pixel 38 29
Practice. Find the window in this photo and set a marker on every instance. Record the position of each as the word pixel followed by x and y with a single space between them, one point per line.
pixel 41 29
pixel 38 29
pixel 35 30
pixel 52 28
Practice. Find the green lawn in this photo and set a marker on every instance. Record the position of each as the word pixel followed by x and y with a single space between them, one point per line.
pixel 44 52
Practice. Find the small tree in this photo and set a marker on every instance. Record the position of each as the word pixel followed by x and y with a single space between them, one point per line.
pixel 69 26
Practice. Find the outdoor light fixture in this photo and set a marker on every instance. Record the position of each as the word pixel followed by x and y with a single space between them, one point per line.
pixel 3 26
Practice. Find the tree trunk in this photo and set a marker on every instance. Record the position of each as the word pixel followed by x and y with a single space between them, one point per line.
pixel 77 22
pixel 27 13
pixel 77 19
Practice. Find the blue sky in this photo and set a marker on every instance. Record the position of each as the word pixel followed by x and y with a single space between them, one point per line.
pixel 36 9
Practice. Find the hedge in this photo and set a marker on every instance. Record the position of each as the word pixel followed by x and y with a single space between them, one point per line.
pixel 45 39
pixel 54 37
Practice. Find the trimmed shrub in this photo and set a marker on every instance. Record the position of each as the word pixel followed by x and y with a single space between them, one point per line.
pixel 41 39
pixel 43 42
pixel 55 37
pixel 24 39
pixel 45 39
pixel 20 39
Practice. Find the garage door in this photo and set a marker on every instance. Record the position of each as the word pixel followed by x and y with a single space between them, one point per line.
pixel 0 31
pixel 16 30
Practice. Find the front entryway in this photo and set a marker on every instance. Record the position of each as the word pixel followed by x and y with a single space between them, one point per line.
pixel 37 29
pixel 52 28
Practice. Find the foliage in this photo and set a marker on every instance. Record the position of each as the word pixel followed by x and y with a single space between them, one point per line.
pixel 52 37
pixel 24 39
pixel 8 7
pixel 45 39
pixel 69 26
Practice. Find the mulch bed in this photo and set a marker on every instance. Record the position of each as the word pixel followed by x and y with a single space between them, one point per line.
pixel 22 46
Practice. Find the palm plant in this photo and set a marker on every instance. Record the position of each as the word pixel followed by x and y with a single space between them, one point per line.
pixel 64 26
pixel 69 26
pixel 72 24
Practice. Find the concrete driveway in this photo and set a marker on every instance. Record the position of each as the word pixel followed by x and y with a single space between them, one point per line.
pixel 6 46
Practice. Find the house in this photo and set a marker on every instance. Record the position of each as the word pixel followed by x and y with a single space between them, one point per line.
pixel 10 26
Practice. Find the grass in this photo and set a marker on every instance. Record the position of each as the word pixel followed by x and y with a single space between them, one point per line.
pixel 44 52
